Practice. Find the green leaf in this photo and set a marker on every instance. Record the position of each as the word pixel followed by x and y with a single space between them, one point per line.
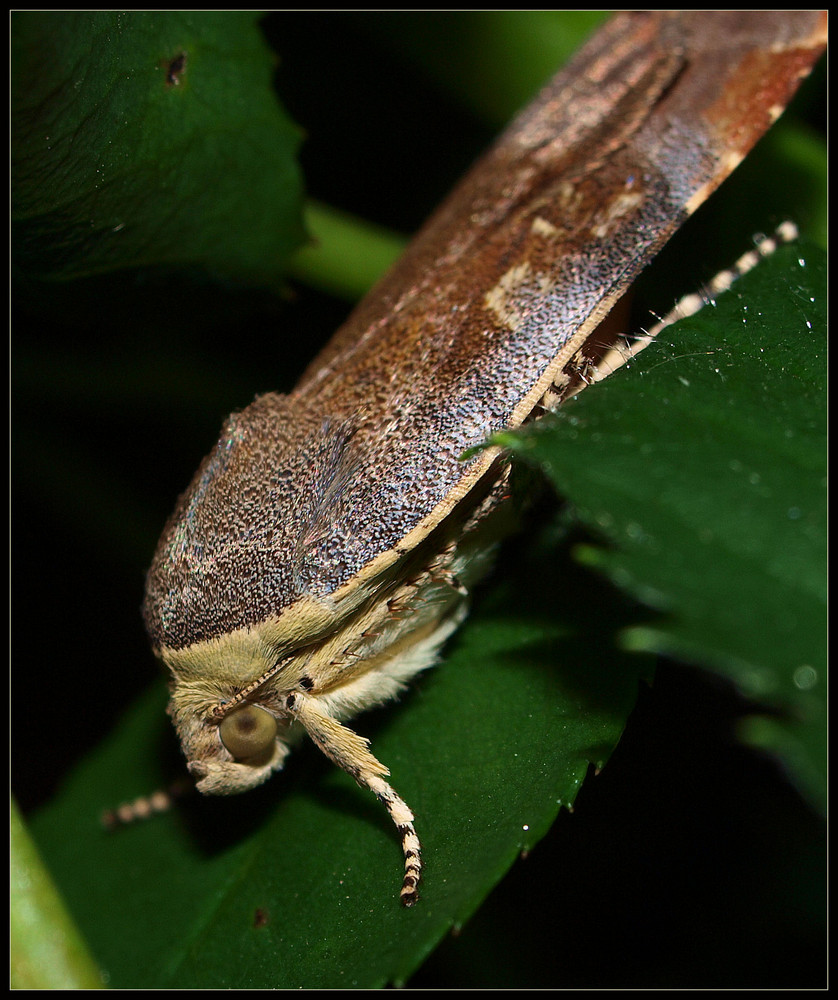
pixel 296 885
pixel 46 950
pixel 149 140
pixel 703 465
pixel 347 255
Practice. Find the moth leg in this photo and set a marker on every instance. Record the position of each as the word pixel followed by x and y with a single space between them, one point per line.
pixel 592 364
pixel 352 753
pixel 690 304
pixel 146 806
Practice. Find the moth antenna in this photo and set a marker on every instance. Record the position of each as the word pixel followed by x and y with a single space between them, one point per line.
pixel 352 754
pixel 222 708
pixel 146 806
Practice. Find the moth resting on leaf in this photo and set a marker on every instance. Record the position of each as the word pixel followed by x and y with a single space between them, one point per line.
pixel 326 547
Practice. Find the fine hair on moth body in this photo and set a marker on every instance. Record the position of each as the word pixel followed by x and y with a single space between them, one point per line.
pixel 326 548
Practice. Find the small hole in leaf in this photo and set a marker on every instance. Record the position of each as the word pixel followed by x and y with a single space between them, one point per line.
pixel 175 69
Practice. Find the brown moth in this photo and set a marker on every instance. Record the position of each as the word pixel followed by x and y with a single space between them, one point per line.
pixel 326 547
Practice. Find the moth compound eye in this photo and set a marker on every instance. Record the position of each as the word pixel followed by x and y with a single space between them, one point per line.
pixel 249 733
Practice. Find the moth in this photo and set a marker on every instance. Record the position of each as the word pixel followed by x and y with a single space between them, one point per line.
pixel 327 546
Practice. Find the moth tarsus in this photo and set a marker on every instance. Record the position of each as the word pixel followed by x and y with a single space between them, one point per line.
pixel 325 549
pixel 411 846
pixel 586 369
pixel 146 806
pixel 723 281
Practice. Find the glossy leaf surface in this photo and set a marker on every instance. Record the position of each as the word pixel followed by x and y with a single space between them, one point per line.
pixel 704 466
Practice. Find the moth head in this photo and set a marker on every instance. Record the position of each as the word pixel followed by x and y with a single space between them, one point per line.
pixel 234 753
pixel 233 732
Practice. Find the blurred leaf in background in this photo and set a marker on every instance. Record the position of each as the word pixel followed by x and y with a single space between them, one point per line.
pixel 149 139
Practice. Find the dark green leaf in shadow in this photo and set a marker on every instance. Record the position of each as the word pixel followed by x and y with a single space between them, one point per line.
pixel 296 884
pixel 704 466
pixel 148 140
